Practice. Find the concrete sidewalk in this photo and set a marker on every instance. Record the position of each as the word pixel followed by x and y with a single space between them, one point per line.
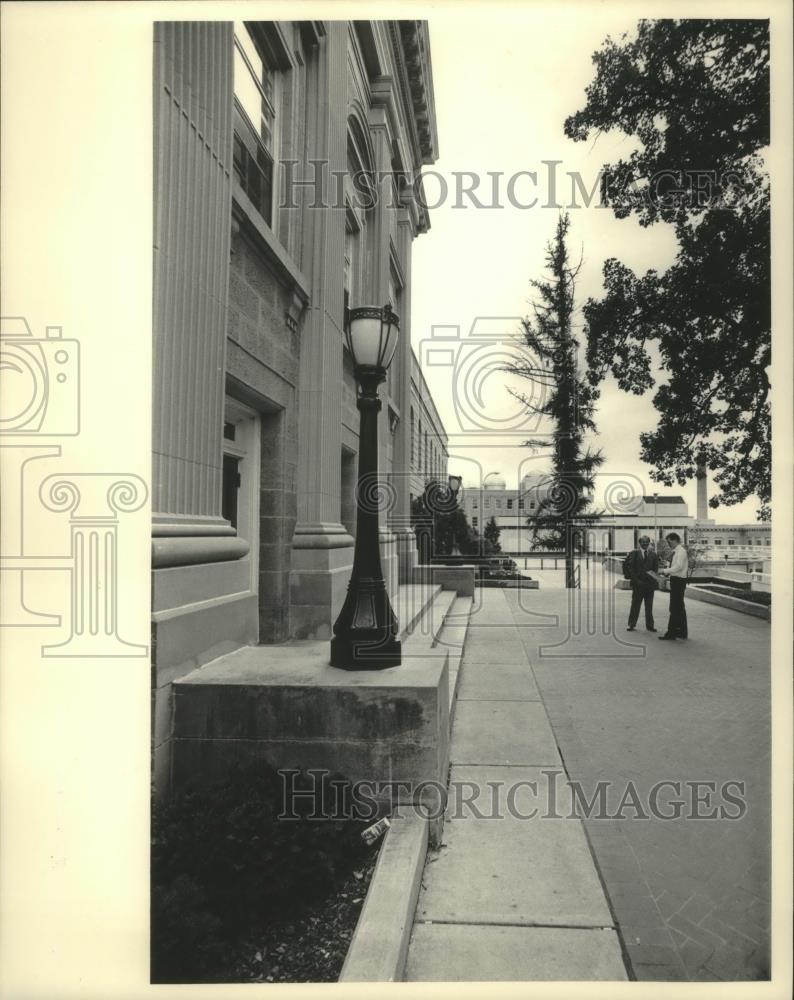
pixel 554 690
pixel 691 894
pixel 508 897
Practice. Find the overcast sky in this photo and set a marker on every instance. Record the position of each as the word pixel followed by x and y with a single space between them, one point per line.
pixel 503 88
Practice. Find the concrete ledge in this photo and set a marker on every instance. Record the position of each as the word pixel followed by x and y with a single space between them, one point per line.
pixel 726 601
pixel 379 946
pixel 286 705
pixel 511 584
pixel 457 578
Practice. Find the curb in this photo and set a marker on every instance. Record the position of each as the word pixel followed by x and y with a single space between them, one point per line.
pixel 379 945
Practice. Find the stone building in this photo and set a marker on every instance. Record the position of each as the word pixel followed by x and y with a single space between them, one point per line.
pixel 287 163
pixel 510 508
pixel 429 448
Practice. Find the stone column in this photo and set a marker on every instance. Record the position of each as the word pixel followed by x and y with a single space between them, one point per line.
pixel 322 548
pixel 192 197
pixel 401 515
pixel 379 294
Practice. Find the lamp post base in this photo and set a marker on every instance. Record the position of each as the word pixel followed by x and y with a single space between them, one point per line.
pixel 351 652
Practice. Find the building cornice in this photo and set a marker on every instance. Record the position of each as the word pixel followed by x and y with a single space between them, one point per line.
pixel 412 46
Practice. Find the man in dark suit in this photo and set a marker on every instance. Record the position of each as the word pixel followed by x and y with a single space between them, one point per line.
pixel 641 560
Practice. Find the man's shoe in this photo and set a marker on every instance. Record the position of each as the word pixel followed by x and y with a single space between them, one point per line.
pixel 630 628
pixel 670 637
pixel 651 629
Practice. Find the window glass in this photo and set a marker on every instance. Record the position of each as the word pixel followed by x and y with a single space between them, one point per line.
pixel 231 485
pixel 254 122
pixel 253 84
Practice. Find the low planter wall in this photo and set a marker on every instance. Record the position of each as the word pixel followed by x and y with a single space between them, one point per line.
pixel 726 601
pixel 459 578
pixel 515 584
pixel 380 942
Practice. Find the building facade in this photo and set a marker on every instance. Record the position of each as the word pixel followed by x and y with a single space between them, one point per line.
pixel 429 453
pixel 287 158
pixel 511 509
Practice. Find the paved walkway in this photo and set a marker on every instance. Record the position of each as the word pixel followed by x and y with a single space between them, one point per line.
pixel 508 897
pixel 552 690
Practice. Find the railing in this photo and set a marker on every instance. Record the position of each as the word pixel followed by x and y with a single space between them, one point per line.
pixel 548 557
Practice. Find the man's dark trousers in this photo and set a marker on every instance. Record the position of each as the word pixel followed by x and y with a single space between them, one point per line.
pixel 639 595
pixel 677 625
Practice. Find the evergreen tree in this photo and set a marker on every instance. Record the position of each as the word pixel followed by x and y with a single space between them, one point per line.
pixel 441 526
pixel 566 399
pixel 491 535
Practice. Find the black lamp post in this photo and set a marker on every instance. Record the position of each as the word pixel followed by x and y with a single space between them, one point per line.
pixel 365 633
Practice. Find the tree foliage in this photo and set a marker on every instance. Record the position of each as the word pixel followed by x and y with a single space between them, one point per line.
pixel 695 93
pixel 441 526
pixel 562 396
pixel 491 535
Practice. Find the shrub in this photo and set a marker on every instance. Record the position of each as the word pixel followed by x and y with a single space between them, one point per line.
pixel 224 863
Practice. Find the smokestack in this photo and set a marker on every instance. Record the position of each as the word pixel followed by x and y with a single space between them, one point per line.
pixel 703 494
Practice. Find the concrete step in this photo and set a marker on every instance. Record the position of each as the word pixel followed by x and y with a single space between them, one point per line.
pixel 442 632
pixel 410 603
pixel 432 621
pixel 452 637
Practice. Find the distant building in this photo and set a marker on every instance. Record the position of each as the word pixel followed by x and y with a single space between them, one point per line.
pixel 751 541
pixel 615 530
pixel 510 508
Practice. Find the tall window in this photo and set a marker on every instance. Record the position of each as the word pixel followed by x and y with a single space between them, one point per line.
pixel 395 300
pixel 240 499
pixel 352 236
pixel 255 85
pixel 413 439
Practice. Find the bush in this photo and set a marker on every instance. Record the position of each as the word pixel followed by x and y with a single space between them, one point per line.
pixel 223 863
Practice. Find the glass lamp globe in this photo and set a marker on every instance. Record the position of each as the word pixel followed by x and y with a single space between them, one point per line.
pixel 371 334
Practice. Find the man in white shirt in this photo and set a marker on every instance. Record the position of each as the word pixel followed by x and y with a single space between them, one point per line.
pixel 677 571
